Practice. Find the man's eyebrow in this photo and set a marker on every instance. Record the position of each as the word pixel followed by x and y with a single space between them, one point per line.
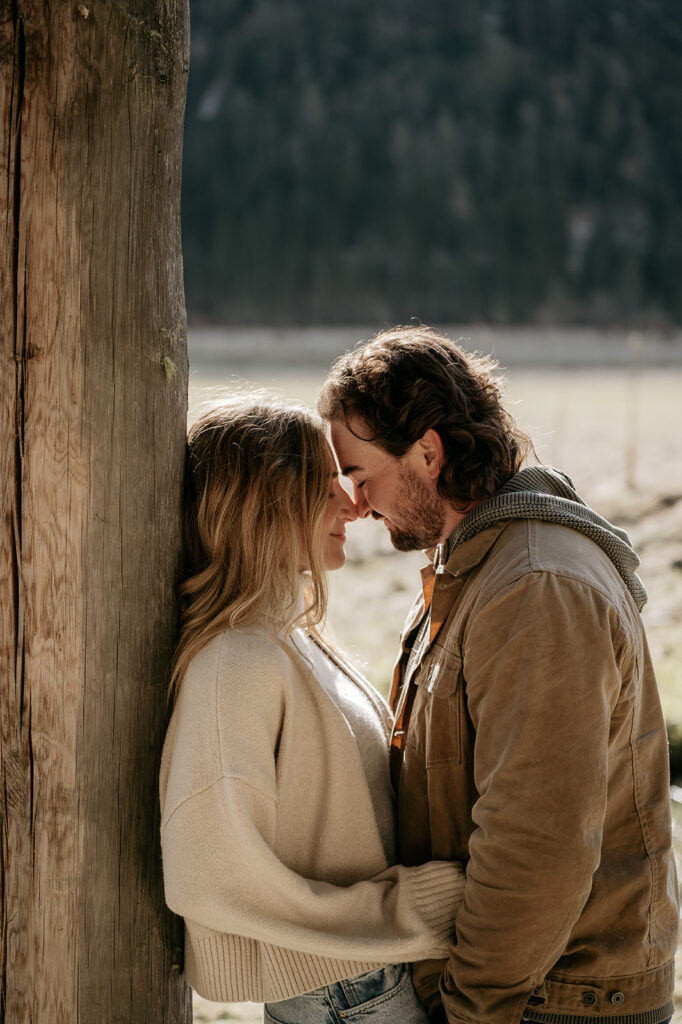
pixel 346 470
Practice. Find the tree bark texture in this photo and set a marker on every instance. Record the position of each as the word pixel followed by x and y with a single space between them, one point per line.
pixel 93 393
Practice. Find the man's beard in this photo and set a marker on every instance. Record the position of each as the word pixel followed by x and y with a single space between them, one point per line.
pixel 422 515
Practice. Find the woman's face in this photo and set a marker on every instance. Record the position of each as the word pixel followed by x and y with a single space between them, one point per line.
pixel 341 510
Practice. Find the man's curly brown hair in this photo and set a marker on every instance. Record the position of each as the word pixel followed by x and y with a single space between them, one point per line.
pixel 409 379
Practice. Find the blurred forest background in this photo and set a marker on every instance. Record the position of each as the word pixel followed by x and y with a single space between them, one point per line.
pixel 500 160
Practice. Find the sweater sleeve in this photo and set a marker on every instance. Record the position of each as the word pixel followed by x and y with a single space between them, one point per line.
pixel 222 871
pixel 542 677
pixel 226 876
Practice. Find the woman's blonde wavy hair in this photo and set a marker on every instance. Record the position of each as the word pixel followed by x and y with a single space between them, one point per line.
pixel 257 486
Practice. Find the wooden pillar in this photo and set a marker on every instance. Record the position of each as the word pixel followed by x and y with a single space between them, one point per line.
pixel 93 395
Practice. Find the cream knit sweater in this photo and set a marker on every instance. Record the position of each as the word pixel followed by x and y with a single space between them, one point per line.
pixel 271 850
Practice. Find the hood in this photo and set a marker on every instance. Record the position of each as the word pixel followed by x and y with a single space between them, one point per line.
pixel 540 492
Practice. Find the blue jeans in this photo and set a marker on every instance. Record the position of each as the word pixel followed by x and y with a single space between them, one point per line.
pixel 385 996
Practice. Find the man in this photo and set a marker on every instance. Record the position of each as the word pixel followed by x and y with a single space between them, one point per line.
pixel 529 737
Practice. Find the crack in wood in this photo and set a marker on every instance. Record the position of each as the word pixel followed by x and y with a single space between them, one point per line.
pixel 16 772
pixel 19 319
pixel 31 772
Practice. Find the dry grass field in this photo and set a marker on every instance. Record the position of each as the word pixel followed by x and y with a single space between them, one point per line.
pixel 615 432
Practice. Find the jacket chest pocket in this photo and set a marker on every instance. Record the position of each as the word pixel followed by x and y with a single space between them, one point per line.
pixel 434 730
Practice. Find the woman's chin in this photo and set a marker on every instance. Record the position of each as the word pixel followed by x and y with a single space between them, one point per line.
pixel 335 560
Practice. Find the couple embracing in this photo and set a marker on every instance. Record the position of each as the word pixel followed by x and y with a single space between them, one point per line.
pixel 496 846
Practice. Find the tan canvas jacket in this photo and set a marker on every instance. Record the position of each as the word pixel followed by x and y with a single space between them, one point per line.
pixel 536 752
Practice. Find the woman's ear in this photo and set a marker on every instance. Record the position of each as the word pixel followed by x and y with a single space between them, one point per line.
pixel 432 452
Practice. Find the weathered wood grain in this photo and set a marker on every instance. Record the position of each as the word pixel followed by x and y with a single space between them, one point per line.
pixel 92 418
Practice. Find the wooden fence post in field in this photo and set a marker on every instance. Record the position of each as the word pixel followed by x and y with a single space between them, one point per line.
pixel 93 392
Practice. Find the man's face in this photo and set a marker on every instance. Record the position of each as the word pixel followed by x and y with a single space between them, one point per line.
pixel 400 491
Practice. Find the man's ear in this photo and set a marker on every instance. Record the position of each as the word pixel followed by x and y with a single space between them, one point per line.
pixel 431 450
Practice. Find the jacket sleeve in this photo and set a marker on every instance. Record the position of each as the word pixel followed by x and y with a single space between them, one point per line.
pixel 222 871
pixel 542 676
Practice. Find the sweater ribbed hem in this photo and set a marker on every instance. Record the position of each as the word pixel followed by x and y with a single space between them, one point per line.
pixel 229 968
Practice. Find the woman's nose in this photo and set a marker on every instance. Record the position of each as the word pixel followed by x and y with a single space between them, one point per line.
pixel 344 505
pixel 349 509
pixel 362 506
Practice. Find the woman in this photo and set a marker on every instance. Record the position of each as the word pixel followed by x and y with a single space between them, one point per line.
pixel 277 823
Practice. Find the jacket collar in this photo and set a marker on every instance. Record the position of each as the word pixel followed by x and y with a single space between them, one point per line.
pixel 466 556
pixel 449 575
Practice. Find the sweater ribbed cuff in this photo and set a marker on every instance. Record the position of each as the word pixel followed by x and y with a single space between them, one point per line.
pixel 439 891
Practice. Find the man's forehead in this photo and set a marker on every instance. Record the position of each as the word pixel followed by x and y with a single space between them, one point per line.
pixel 355 454
pixel 351 447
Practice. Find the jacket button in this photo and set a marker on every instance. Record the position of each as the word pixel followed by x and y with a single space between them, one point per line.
pixel 617 998
pixel 589 998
